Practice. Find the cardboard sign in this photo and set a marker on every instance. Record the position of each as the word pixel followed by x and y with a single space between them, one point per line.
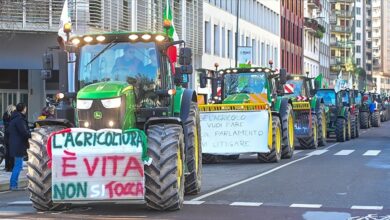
pixel 97 165
pixel 244 56
pixel 228 133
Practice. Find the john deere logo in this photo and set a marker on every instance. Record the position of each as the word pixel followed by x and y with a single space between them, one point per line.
pixel 98 115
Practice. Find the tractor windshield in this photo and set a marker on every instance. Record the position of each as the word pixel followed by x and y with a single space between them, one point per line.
pixel 118 62
pixel 328 96
pixel 251 83
pixel 298 85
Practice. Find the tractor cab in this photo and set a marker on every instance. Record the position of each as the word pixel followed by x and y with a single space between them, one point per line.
pixel 302 86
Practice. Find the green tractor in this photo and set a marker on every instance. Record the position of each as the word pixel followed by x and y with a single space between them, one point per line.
pixel 339 116
pixel 128 132
pixel 370 111
pixel 249 116
pixel 310 117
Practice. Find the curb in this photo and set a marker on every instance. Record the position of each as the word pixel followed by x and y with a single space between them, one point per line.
pixel 4 186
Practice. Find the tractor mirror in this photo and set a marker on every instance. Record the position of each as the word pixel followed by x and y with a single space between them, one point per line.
pixel 202 80
pixel 47 61
pixel 185 56
pixel 283 76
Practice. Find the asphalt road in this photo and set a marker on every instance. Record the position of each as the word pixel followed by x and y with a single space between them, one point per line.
pixel 348 180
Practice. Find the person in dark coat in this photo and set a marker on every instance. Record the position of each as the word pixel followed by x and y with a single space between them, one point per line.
pixel 18 141
pixel 9 161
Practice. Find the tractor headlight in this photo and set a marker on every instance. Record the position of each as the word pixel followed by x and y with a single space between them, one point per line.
pixel 112 103
pixel 84 104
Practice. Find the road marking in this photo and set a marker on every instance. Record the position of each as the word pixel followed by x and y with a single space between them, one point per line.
pixel 312 206
pixel 317 152
pixel 367 207
pixel 344 152
pixel 246 204
pixel 297 151
pixel 372 153
pixel 20 203
pixel 253 155
pixel 193 202
pixel 254 177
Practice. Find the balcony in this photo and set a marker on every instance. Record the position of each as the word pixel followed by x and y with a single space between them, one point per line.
pixel 341 44
pixel 315 4
pixel 311 24
pixel 342 1
pixel 344 13
pixel 341 29
pixel 333 19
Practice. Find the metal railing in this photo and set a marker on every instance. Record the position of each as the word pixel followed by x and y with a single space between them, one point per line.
pixel 341 29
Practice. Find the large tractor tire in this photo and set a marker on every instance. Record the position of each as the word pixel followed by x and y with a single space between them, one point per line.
pixel 376 119
pixel 287 132
pixel 193 152
pixel 310 142
pixel 231 157
pixel 322 125
pixel 341 130
pixel 354 126
pixel 364 120
pixel 348 126
pixel 276 152
pixel 39 174
pixel 164 177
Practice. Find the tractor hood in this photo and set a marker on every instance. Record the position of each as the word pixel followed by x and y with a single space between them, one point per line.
pixel 103 90
pixel 245 98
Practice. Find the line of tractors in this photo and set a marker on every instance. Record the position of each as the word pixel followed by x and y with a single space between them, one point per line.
pixel 133 86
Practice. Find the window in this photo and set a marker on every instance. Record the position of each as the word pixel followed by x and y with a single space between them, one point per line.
pixel 216 40
pixel 358 36
pixel 358 23
pixel 207 37
pixel 223 42
pixel 358 49
pixel 230 43
pixel 263 59
pixel 358 10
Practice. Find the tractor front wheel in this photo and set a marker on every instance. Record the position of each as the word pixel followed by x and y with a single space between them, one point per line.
pixel 348 127
pixel 276 149
pixel 364 120
pixel 39 173
pixel 288 133
pixel 164 177
pixel 194 152
pixel 341 130
pixel 322 126
pixel 311 142
pixel 376 119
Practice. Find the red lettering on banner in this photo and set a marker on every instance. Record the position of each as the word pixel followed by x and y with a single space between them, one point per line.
pixel 65 164
pixel 104 166
pixel 90 170
pixel 115 162
pixel 116 189
pixel 133 164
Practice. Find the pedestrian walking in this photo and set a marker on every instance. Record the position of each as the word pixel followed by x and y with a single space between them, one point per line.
pixel 18 141
pixel 9 161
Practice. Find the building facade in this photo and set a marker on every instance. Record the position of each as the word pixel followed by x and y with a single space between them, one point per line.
pixel 381 45
pixel 255 31
pixel 291 43
pixel 342 38
pixel 30 27
pixel 324 21
pixel 311 37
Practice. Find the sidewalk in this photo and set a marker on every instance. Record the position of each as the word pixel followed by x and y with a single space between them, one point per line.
pixel 5 176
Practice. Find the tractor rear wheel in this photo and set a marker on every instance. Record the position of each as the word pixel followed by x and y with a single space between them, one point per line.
pixel 288 133
pixel 231 157
pixel 193 152
pixel 341 130
pixel 354 124
pixel 39 173
pixel 376 119
pixel 364 120
pixel 210 158
pixel 311 142
pixel 322 126
pixel 164 177
pixel 348 127
pixel 276 151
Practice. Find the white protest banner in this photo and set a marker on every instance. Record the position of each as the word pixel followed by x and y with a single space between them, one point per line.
pixel 227 133
pixel 97 165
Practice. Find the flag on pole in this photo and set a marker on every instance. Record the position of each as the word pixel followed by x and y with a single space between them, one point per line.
pixel 168 16
pixel 65 18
